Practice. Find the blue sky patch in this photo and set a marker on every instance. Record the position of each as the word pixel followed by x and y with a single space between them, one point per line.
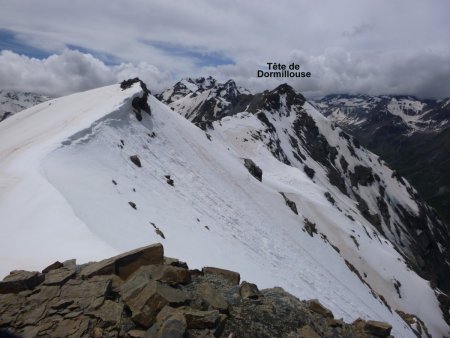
pixel 8 41
pixel 197 55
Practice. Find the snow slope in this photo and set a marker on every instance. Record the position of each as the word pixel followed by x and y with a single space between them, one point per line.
pixel 37 223
pixel 67 180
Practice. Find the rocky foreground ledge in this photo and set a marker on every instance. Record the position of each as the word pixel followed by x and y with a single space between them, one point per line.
pixel 141 293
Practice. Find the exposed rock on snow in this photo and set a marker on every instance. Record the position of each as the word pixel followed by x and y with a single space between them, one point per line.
pixel 290 203
pixel 139 103
pixel 253 169
pixel 136 160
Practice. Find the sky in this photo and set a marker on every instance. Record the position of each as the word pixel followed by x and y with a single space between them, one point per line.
pixel 57 47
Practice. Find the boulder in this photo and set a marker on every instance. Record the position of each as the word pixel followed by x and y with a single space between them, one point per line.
pixel 315 306
pixel 125 264
pixel 379 329
pixel 198 319
pixel 85 293
pixel 212 297
pixel 70 263
pixel 175 262
pixel 69 327
pixel 109 313
pixel 146 300
pixel 307 332
pixel 171 275
pixel 20 280
pixel 249 290
pixel 135 333
pixel 173 326
pixel 231 276
pixel 53 266
pixel 135 159
pixel 59 276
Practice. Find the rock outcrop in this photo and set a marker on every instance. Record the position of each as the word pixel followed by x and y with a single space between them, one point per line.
pixel 141 293
pixel 138 103
pixel 253 169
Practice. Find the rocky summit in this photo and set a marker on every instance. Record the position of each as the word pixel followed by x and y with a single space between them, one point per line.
pixel 141 293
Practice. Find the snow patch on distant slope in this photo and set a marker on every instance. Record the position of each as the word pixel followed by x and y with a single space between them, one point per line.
pixel 12 102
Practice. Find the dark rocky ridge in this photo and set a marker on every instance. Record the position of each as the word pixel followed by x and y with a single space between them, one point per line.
pixel 141 293
pixel 224 99
pixel 424 249
pixel 139 103
pixel 419 155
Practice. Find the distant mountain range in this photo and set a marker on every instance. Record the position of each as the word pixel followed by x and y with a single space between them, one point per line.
pixel 262 184
pixel 12 101
pixel 411 134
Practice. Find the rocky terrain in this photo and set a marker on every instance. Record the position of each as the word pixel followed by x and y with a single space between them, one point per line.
pixel 410 134
pixel 204 100
pixel 141 293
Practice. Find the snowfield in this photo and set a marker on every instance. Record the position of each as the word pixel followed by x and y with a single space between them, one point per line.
pixel 66 181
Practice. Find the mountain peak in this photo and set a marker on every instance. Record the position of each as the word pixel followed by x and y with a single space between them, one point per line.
pixel 274 100
pixel 204 100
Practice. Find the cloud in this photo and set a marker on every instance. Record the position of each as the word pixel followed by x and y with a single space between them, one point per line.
pixel 348 45
pixel 359 29
pixel 71 71
pixel 198 55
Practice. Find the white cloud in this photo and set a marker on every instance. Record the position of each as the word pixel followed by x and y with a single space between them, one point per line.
pixel 71 71
pixel 353 46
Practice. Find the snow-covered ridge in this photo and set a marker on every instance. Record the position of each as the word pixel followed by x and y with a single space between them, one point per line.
pixel 36 221
pixel 69 189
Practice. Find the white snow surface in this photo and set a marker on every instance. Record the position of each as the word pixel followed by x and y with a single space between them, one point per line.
pixel 58 201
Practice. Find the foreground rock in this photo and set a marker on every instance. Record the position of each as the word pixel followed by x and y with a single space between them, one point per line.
pixel 141 293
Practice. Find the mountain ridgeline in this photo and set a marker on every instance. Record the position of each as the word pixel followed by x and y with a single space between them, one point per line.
pixel 267 186
pixel 411 134
pixel 301 139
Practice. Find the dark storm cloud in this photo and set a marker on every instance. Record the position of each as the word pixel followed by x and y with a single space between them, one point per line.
pixel 384 46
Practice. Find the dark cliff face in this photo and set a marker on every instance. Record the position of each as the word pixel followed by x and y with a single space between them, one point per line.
pixel 419 152
pixel 144 294
pixel 211 101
